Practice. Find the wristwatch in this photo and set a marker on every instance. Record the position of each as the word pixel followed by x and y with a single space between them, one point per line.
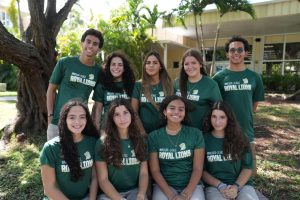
pixel 50 115
pixel 238 186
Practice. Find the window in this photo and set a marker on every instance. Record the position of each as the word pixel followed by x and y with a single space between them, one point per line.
pixel 292 51
pixel 292 67
pixel 273 51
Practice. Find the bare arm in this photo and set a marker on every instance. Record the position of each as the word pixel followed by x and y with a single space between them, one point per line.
pixel 143 181
pixel 198 161
pixel 209 179
pixel 49 183
pixel 96 113
pixel 51 95
pixel 94 185
pixel 135 105
pixel 104 183
pixel 255 105
pixel 157 176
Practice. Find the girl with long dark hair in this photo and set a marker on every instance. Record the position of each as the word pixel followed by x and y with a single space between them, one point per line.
pixel 228 158
pixel 116 80
pixel 150 91
pixel 67 167
pixel 121 155
pixel 194 85
pixel 176 154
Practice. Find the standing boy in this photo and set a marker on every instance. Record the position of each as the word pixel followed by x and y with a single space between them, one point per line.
pixel 73 77
pixel 240 87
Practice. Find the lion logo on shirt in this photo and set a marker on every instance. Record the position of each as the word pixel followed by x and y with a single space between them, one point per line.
pixel 132 153
pixel 182 146
pixel 91 76
pixel 87 155
pixel 195 92
pixel 245 80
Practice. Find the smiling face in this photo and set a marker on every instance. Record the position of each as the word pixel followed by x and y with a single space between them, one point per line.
pixel 192 67
pixel 122 117
pixel 152 66
pixel 175 111
pixel 90 46
pixel 236 53
pixel 117 68
pixel 76 120
pixel 219 121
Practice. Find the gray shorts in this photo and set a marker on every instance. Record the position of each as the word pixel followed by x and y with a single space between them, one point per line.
pixel 52 131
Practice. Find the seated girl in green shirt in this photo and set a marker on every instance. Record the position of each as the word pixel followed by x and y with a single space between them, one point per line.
pixel 121 155
pixel 67 161
pixel 176 154
pixel 228 159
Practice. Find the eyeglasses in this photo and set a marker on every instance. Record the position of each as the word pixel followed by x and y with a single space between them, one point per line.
pixel 238 50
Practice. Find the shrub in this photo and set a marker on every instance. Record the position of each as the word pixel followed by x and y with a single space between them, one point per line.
pixel 282 84
pixel 8 75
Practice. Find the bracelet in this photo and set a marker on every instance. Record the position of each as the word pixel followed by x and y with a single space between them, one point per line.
pixel 238 186
pixel 184 194
pixel 221 186
pixel 50 115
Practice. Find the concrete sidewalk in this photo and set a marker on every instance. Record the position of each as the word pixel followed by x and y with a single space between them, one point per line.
pixel 8 98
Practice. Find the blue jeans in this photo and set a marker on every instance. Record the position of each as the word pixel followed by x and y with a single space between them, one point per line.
pixel 158 194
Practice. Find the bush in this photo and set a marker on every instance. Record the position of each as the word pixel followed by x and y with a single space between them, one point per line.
pixel 8 75
pixel 281 84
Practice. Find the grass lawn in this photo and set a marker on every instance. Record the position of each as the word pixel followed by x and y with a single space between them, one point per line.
pixel 8 93
pixel 277 126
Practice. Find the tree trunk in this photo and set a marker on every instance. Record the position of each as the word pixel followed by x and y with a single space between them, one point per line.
pixel 36 59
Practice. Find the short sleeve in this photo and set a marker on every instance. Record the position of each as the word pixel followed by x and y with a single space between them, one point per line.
pixel 258 94
pixel 48 155
pixel 98 150
pixel 199 140
pixel 216 94
pixel 58 73
pixel 247 161
pixel 152 142
pixel 136 94
pixel 99 93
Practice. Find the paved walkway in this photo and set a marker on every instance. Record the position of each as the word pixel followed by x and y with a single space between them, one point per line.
pixel 8 98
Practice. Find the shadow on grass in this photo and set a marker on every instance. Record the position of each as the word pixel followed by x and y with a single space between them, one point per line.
pixel 20 175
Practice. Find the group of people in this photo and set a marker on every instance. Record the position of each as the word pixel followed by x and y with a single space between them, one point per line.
pixel 191 138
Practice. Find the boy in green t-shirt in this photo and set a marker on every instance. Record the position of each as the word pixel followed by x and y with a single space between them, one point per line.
pixel 74 78
pixel 240 87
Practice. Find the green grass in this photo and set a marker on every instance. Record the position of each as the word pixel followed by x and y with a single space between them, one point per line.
pixel 19 171
pixel 8 93
pixel 8 112
pixel 278 154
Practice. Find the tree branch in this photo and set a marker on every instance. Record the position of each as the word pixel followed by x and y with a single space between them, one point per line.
pixel 62 16
pixel 26 53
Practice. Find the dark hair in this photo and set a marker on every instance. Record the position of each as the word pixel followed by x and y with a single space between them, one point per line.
pixel 167 101
pixel 164 78
pixel 68 147
pixel 183 77
pixel 95 33
pixel 128 78
pixel 112 151
pixel 235 141
pixel 237 38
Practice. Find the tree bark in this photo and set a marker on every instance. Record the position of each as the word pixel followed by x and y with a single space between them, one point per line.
pixel 36 58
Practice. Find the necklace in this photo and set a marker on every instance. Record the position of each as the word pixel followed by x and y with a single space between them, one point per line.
pixel 178 136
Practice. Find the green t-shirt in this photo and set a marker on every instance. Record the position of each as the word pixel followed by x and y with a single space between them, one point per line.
pixel 149 115
pixel 176 154
pixel 127 177
pixel 101 94
pixel 240 90
pixel 202 95
pixel 220 167
pixel 75 80
pixel 51 156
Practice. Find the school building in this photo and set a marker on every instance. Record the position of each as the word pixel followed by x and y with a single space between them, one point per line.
pixel 274 38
